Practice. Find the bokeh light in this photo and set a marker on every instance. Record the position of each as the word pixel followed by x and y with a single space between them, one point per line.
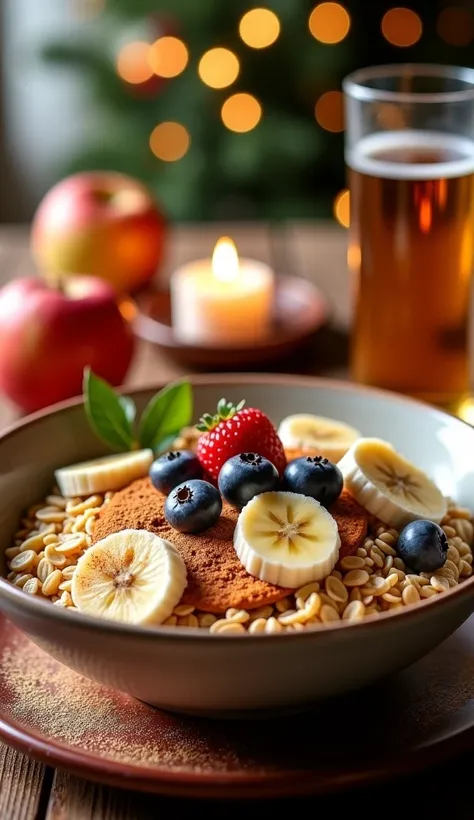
pixel 390 116
pixel 402 27
pixel 218 67
pixel 133 63
pixel 259 28
pixel 241 113
pixel 456 26
pixel 169 141
pixel 354 256
pixel 342 208
pixel 329 111
pixel 168 57
pixel 465 411
pixel 329 22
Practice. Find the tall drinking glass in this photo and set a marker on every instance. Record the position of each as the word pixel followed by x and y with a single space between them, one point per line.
pixel 410 158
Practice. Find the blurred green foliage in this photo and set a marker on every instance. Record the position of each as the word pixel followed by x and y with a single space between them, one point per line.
pixel 286 166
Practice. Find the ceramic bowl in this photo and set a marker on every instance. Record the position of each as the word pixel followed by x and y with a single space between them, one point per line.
pixel 190 670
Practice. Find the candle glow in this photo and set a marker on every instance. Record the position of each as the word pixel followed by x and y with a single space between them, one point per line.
pixel 222 300
pixel 225 260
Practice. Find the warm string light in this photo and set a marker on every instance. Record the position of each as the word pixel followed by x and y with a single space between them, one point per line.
pixel 456 26
pixel 133 64
pixel 465 411
pixel 354 256
pixel 168 57
pixel 342 208
pixel 169 141
pixel 329 111
pixel 218 68
pixel 401 27
pixel 259 28
pixel 241 113
pixel 329 23
pixel 390 116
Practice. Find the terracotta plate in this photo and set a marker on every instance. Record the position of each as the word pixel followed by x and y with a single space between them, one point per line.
pixel 300 310
pixel 53 714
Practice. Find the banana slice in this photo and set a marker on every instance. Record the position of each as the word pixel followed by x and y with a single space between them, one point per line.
pixel 131 576
pixel 389 486
pixel 102 474
pixel 324 436
pixel 286 539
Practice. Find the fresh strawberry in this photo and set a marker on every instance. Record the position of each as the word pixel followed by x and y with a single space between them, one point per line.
pixel 235 430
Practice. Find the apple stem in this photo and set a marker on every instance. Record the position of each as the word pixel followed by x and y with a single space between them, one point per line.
pixel 57 283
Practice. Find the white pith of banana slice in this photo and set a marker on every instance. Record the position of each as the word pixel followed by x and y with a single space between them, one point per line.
pixel 325 436
pixel 389 486
pixel 286 539
pixel 103 474
pixel 132 576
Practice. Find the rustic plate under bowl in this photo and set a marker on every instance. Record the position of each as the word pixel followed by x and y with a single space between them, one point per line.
pixel 300 311
pixel 175 669
pixel 419 717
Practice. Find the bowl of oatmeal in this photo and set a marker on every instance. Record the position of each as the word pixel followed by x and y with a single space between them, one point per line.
pixel 260 556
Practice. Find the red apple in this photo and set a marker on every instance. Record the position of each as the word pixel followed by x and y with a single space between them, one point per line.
pixel 48 336
pixel 100 224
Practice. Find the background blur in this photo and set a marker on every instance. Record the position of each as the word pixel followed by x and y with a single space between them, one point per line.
pixel 227 110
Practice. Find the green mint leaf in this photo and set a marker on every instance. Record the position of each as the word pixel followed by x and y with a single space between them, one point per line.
pixel 105 413
pixel 129 407
pixel 168 411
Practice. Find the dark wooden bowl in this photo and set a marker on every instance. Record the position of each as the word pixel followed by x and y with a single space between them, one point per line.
pixel 300 310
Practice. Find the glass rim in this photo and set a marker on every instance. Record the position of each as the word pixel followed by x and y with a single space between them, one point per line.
pixel 355 84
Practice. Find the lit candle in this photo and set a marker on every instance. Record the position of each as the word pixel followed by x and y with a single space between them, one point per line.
pixel 225 302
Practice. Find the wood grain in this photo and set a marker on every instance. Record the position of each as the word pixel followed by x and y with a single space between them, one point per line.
pixel 75 799
pixel 429 794
pixel 21 782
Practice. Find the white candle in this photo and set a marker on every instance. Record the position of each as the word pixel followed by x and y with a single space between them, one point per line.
pixel 225 302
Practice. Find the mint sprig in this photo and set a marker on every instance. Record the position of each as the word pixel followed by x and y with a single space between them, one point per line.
pixel 112 417
pixel 166 414
pixel 107 416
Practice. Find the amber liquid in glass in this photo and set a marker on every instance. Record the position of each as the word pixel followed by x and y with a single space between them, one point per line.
pixel 412 254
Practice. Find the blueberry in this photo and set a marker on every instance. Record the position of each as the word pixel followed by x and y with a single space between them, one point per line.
pixel 173 468
pixel 245 476
pixel 423 546
pixel 314 476
pixel 193 506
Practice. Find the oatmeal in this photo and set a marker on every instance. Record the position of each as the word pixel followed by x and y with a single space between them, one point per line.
pixel 229 533
pixel 370 581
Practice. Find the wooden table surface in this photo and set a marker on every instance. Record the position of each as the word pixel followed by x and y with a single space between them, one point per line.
pixel 31 791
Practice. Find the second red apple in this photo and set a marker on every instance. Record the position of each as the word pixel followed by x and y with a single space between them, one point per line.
pixel 48 336
pixel 101 224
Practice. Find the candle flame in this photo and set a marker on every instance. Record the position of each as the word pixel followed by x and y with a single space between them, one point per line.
pixel 225 260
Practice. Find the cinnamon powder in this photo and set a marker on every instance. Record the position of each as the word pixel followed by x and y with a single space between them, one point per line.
pixel 352 523
pixel 216 578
